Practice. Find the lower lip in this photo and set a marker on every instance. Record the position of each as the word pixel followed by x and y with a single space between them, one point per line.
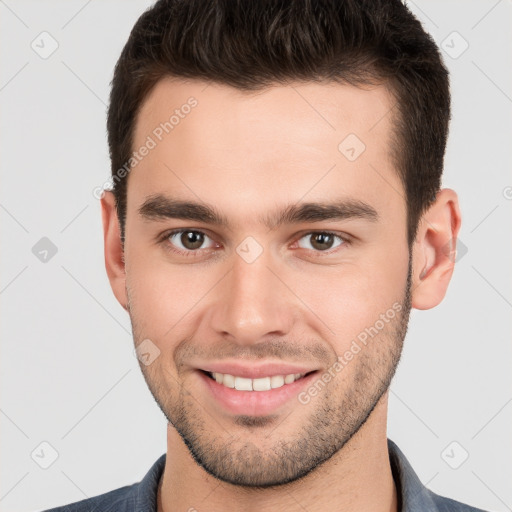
pixel 254 403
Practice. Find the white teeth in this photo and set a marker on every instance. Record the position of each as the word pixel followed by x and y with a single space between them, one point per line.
pixel 228 380
pixel 276 381
pixel 243 384
pixel 260 384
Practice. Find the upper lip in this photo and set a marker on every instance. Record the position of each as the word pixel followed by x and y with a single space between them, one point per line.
pixel 255 370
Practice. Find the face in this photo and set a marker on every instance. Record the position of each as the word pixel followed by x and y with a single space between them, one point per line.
pixel 266 249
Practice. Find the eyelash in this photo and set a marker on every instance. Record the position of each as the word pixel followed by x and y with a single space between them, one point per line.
pixel 164 240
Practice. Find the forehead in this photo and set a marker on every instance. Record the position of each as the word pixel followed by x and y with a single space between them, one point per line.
pixel 314 111
pixel 276 144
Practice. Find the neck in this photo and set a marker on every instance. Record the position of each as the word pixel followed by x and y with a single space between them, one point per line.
pixel 357 478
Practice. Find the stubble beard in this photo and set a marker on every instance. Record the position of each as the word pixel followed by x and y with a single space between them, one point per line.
pixel 247 456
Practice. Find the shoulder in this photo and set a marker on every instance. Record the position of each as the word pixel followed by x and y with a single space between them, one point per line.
pixel 412 494
pixel 137 497
pixel 444 504
pixel 119 500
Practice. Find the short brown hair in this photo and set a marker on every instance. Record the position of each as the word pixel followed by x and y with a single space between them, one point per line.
pixel 251 45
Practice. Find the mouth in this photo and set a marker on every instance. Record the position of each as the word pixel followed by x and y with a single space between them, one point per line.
pixel 261 396
pixel 259 384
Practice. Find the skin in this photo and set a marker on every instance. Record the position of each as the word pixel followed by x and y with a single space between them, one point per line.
pixel 249 155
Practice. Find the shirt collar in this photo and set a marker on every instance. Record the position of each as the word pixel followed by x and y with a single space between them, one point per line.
pixel 146 491
pixel 412 494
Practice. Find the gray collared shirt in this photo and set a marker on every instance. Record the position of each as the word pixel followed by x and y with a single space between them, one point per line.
pixel 141 497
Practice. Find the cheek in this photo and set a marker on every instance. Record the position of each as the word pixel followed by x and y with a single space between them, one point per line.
pixel 352 298
pixel 164 297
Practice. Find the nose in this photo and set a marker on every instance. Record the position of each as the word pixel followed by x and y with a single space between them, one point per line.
pixel 252 303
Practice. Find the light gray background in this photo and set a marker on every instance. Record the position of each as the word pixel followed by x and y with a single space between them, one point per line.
pixel 68 373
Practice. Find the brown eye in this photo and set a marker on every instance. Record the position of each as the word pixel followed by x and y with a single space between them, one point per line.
pixel 187 240
pixel 321 241
pixel 192 240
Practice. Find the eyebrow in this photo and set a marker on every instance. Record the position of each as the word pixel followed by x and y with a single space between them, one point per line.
pixel 160 207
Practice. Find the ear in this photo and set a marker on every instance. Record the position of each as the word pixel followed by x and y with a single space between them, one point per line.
pixel 434 250
pixel 114 256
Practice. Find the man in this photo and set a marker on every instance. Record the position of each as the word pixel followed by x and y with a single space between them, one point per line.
pixel 276 212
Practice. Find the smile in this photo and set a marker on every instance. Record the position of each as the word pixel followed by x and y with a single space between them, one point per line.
pixel 260 384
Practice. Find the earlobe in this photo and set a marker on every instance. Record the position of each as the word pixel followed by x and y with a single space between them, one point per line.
pixel 114 254
pixel 434 250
